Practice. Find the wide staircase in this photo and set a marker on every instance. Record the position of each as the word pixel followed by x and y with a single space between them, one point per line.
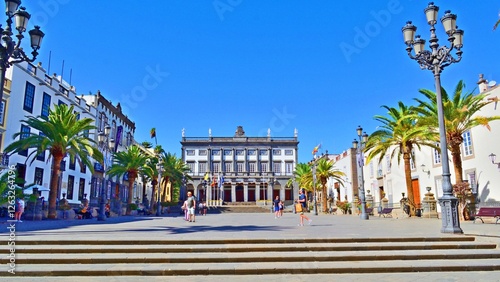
pixel 110 257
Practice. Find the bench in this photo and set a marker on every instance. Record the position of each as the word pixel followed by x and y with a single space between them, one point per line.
pixel 386 212
pixel 369 211
pixel 487 212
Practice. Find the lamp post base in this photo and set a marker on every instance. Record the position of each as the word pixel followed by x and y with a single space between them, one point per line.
pixel 364 216
pixel 449 214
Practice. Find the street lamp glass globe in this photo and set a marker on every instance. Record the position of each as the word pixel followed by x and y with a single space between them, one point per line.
pixel 408 34
pixel 36 36
pixel 359 130
pixel 459 37
pixel 11 6
pixel 431 13
pixel 492 158
pixel 22 18
pixel 355 144
pixel 419 44
pixel 449 21
pixel 111 144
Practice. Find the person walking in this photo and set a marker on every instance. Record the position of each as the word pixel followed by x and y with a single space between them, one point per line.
pixel 276 205
pixel 19 209
pixel 282 207
pixel 191 206
pixel 303 201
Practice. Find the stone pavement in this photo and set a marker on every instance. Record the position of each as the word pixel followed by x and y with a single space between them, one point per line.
pixel 254 226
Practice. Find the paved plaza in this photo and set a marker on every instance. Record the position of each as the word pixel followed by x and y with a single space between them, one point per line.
pixel 255 226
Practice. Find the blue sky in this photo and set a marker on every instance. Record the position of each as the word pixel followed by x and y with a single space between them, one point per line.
pixel 323 67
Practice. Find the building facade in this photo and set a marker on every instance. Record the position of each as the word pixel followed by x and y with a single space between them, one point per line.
pixel 32 93
pixel 239 169
pixel 120 131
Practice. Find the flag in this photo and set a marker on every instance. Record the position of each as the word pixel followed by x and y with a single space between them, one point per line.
pixel 316 149
pixel 206 177
pixel 214 181
pixel 153 132
pixel 221 181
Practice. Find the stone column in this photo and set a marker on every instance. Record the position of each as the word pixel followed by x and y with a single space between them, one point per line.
pixel 429 205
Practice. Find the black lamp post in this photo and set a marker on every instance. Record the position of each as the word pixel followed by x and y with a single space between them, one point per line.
pixel 363 138
pixel 159 167
pixel 106 145
pixel 9 49
pixel 436 60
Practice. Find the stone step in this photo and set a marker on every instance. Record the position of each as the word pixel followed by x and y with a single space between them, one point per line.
pixel 253 268
pixel 242 248
pixel 25 241
pixel 272 257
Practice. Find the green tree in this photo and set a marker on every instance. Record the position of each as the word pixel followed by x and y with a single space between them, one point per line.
pixel 174 171
pixel 131 162
pixel 461 113
pixel 325 169
pixel 61 134
pixel 399 135
pixel 300 176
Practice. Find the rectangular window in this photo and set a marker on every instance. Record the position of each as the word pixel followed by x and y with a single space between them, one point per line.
pixel 71 186
pixel 25 133
pixel 252 166
pixel 81 189
pixel 228 152
pixel 228 167
pixel 437 156
pixel 72 164
pixel 191 166
pixel 289 168
pixel 240 166
pixel 45 105
pixel 38 176
pixel 288 152
pixel 276 152
pixel 215 152
pixel 189 152
pixel 277 167
pixel 41 155
pixel 263 152
pixel 240 153
pixel 202 168
pixel 467 144
pixel 264 167
pixel 252 152
pixel 83 168
pixel 216 167
pixel 202 152
pixel 77 114
pixel 29 97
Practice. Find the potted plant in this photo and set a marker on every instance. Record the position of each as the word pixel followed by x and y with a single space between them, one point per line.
pixel 345 206
pixel 133 208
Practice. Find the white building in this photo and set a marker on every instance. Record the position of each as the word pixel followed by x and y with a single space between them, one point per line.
pixel 255 169
pixel 32 93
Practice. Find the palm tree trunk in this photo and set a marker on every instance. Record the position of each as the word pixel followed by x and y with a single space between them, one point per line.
pixel 54 179
pixel 131 181
pixel 457 163
pixel 409 188
pixel 323 199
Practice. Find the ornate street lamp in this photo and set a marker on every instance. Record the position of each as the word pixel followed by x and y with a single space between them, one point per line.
pixel 10 49
pixel 493 158
pixel 106 144
pixel 436 60
pixel 360 158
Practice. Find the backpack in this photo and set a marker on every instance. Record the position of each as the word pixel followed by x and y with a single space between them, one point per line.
pixel 190 202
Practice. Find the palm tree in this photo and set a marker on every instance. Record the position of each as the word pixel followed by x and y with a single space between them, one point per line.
pixel 300 172
pixel 61 134
pixel 132 162
pixel 460 115
pixel 151 171
pixel 400 134
pixel 174 170
pixel 325 169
